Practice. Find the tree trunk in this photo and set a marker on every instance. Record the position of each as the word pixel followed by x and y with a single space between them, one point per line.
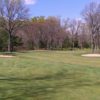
pixel 93 46
pixel 10 43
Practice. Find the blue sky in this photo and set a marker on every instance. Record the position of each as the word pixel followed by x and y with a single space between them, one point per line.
pixel 61 8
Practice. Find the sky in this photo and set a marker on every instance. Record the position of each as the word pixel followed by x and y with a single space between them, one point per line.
pixel 61 8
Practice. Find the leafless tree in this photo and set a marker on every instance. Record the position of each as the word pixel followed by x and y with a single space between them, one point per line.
pixel 91 15
pixel 84 36
pixel 47 33
pixel 12 15
pixel 74 26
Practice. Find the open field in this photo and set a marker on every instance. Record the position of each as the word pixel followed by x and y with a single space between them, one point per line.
pixel 50 75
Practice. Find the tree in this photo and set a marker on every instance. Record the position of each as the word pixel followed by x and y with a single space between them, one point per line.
pixel 84 36
pixel 3 40
pixel 91 15
pixel 12 15
pixel 74 27
pixel 45 33
pixel 40 19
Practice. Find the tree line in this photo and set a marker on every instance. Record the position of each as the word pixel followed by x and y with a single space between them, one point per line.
pixel 19 32
pixel 53 34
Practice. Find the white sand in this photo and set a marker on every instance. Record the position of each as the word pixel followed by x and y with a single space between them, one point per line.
pixel 6 56
pixel 91 55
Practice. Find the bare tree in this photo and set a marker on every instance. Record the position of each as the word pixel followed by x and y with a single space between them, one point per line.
pixel 12 15
pixel 84 36
pixel 74 26
pixel 91 15
pixel 45 33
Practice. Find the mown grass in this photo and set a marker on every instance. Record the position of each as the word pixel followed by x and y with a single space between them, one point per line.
pixel 50 75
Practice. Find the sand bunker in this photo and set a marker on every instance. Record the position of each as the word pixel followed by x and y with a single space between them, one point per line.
pixel 91 55
pixel 6 56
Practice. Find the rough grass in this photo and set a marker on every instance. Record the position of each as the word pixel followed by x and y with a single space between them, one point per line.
pixel 50 75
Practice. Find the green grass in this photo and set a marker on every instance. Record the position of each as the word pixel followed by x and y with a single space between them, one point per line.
pixel 50 75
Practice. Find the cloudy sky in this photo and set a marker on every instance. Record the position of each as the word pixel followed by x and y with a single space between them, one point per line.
pixel 61 8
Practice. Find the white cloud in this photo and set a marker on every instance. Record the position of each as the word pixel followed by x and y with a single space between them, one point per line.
pixel 32 2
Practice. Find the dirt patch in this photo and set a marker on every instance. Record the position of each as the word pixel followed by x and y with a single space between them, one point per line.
pixel 6 56
pixel 91 55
